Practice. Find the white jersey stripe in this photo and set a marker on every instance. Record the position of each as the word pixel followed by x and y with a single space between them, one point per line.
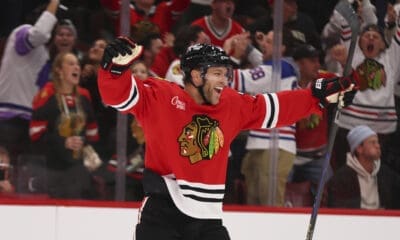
pixel 132 99
pixel 197 200
pixel 202 185
pixel 272 110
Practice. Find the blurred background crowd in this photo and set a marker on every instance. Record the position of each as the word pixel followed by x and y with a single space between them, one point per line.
pixel 58 140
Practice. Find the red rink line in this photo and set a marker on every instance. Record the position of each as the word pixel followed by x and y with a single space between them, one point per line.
pixel 44 201
pixel 308 210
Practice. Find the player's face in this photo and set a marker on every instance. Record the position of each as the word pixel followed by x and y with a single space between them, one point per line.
pixel 96 50
pixel 70 70
pixel 370 148
pixel 371 44
pixel 216 80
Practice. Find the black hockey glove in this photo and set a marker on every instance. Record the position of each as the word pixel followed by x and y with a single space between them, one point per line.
pixel 328 90
pixel 120 54
pixel 347 98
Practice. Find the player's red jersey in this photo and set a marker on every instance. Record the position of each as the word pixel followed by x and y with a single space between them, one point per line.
pixel 187 143
pixel 216 37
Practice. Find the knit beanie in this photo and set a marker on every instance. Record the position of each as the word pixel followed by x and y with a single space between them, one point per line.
pixel 66 23
pixel 357 135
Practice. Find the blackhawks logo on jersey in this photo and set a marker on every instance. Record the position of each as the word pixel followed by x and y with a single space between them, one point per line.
pixel 371 74
pixel 200 139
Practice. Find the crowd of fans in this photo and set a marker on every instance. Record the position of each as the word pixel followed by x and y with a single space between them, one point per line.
pixel 58 139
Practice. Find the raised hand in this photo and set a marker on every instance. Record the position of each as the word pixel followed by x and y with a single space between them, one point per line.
pixel 328 90
pixel 120 54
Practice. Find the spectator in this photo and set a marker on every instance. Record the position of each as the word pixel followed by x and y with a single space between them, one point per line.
pixel 393 151
pixel 63 118
pixel 152 45
pixel 256 163
pixel 392 12
pixel 197 124
pixel 318 11
pixel 373 104
pixel 105 116
pixel 158 53
pixel 140 70
pixel 187 36
pixel 64 39
pixel 24 57
pixel 5 171
pixel 195 10
pixel 247 12
pixel 220 26
pixel 312 131
pixel 164 14
pixel 365 181
pixel 301 25
pixel 332 34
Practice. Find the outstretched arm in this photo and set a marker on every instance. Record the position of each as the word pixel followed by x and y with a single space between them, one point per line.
pixel 29 37
pixel 116 83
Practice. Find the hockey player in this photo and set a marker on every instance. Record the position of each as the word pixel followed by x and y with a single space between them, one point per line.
pixel 188 132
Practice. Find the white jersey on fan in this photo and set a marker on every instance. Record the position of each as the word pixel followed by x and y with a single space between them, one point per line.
pixel 258 80
pixel 374 108
pixel 174 73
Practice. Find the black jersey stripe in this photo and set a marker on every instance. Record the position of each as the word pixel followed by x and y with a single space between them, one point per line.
pixel 202 190
pixel 134 95
pixel 203 199
pixel 272 117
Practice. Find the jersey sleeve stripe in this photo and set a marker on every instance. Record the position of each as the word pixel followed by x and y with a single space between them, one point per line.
pixel 133 98
pixel 272 110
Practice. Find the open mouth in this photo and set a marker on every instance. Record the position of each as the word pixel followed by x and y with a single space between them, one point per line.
pixel 64 46
pixel 218 89
pixel 75 75
pixel 370 47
